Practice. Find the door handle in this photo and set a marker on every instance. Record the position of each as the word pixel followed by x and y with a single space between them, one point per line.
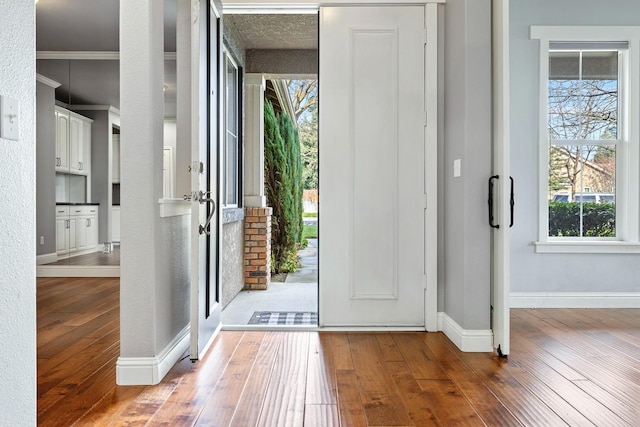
pixel 202 198
pixel 494 177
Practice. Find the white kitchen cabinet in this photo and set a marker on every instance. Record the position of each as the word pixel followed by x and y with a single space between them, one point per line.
pixel 76 229
pixel 62 141
pixel 73 142
pixel 115 224
pixel 115 158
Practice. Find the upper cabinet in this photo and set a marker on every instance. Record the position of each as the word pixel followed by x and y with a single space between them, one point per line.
pixel 73 142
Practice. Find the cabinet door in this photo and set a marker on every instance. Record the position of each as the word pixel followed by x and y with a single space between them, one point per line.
pixel 62 236
pixel 62 141
pixel 72 233
pixel 92 232
pixel 76 148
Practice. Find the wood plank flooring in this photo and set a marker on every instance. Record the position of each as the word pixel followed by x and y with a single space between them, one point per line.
pixel 94 258
pixel 567 367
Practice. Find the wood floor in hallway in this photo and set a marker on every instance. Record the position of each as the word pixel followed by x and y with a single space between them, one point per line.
pixel 567 367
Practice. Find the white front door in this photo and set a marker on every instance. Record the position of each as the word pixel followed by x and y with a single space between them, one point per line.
pixel 206 309
pixel 372 166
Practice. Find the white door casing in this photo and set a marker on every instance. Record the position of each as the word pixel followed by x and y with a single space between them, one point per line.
pixel 205 136
pixel 373 181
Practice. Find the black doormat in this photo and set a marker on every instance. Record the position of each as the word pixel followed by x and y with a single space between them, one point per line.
pixel 284 318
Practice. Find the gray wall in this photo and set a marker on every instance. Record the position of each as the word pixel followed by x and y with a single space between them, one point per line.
pixel 531 272
pixel 154 284
pixel 232 260
pixel 100 171
pixel 465 244
pixel 18 220
pixel 45 169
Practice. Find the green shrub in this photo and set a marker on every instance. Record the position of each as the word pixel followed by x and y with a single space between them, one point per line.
pixel 283 188
pixel 598 219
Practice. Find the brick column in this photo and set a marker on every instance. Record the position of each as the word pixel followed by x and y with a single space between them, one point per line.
pixel 257 248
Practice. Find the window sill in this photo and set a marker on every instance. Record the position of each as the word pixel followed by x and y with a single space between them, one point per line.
pixel 174 207
pixel 608 247
pixel 232 214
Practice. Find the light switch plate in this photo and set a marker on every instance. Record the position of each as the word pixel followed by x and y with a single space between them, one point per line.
pixel 456 168
pixel 9 118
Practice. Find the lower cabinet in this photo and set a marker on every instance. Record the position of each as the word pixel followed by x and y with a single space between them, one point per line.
pixel 76 229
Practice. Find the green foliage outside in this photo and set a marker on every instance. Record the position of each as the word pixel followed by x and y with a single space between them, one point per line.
pixel 308 127
pixel 283 186
pixel 310 214
pixel 598 219
pixel 310 232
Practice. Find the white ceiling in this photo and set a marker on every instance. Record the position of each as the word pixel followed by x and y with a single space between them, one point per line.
pixel 93 25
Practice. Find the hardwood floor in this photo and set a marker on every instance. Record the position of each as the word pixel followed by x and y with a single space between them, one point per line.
pixel 567 367
pixel 91 259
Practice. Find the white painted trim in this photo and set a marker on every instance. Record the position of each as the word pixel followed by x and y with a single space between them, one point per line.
pixel 174 207
pixel 587 247
pixel 46 258
pixel 330 328
pixel 151 370
pixel 47 81
pixel 89 55
pixel 307 6
pixel 583 33
pixel 78 271
pixel 471 341
pixel 431 167
pixel 575 299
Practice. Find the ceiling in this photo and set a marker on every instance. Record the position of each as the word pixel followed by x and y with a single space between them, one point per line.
pixel 279 31
pixel 93 25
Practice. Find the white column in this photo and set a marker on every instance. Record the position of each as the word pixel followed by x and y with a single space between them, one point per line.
pixel 142 111
pixel 254 86
pixel 183 97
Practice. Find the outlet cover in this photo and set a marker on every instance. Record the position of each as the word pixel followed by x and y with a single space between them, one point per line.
pixel 456 168
pixel 9 118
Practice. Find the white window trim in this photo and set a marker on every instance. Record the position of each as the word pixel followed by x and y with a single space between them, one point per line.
pixel 228 58
pixel 628 169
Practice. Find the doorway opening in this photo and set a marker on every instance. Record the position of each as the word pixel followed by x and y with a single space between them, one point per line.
pixel 277 57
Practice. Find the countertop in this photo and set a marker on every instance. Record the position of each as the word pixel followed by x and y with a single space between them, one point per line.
pixel 77 204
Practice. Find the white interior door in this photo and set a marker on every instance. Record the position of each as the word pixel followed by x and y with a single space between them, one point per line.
pixel 372 166
pixel 205 302
pixel 503 190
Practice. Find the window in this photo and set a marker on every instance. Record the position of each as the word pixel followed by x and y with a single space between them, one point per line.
pixel 588 146
pixel 232 144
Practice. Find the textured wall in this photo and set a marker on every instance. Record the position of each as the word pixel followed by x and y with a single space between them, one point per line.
pixel 531 272
pixel 232 260
pixel 18 219
pixel 467 136
pixel 45 169
pixel 282 61
pixel 154 265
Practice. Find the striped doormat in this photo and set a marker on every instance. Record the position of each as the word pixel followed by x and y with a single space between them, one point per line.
pixel 284 318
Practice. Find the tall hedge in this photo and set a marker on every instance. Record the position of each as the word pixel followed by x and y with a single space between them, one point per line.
pixel 283 187
pixel 598 219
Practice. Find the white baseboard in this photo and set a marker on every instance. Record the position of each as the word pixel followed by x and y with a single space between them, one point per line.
pixel 78 271
pixel 46 258
pixel 471 341
pixel 151 370
pixel 575 300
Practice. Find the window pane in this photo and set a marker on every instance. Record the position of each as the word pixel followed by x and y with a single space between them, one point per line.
pixel 583 95
pixel 232 97
pixel 231 170
pixel 574 211
pixel 600 95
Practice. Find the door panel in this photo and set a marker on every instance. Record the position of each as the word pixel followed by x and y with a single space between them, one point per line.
pixel 372 173
pixel 205 91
